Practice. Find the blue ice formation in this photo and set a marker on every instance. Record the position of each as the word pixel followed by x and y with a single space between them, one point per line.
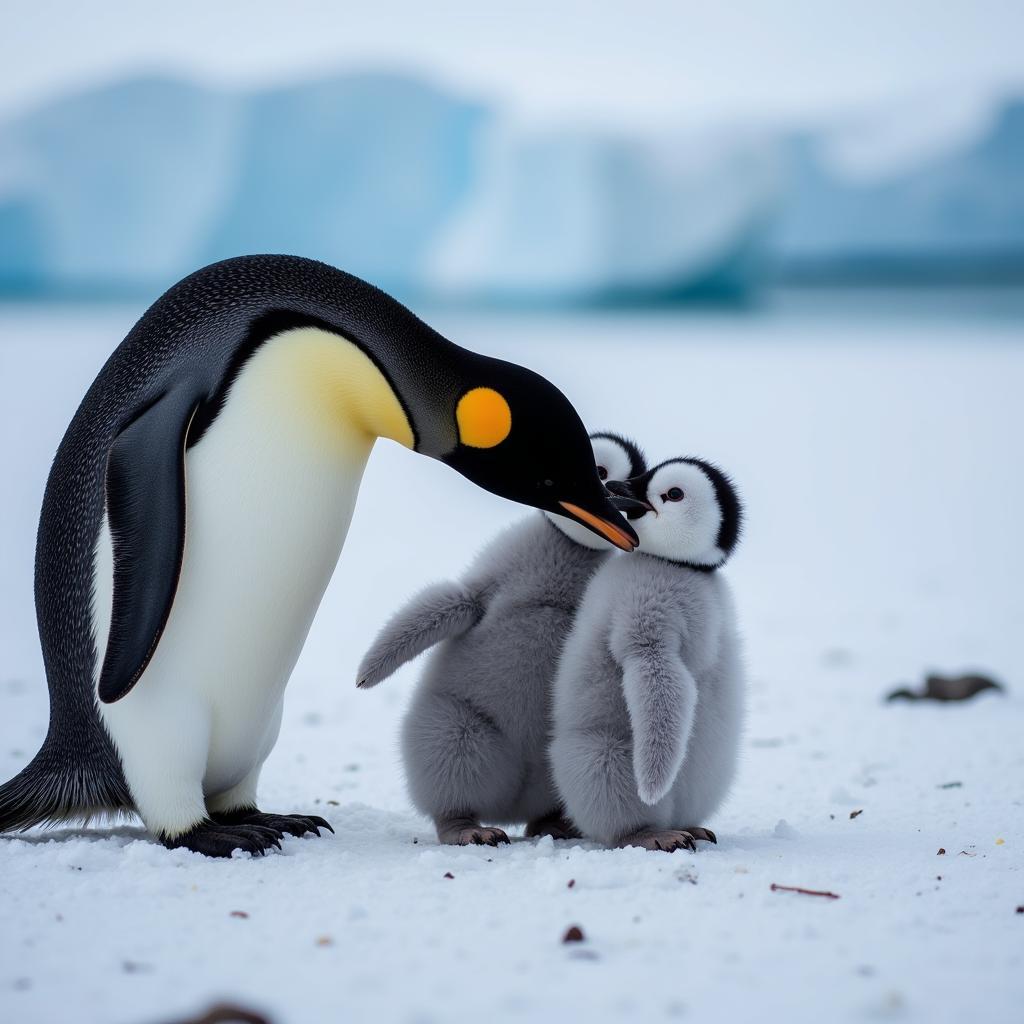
pixel 129 187
pixel 126 188
pixel 961 212
pixel 589 215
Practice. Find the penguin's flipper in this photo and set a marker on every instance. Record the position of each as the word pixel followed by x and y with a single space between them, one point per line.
pixel 145 492
pixel 437 613
pixel 661 695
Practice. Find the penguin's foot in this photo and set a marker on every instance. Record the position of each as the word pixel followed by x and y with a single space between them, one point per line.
pixel 556 824
pixel 282 824
pixel 666 839
pixel 467 832
pixel 214 839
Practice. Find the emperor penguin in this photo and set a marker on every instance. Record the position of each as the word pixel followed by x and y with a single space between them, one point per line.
pixel 475 736
pixel 650 693
pixel 196 509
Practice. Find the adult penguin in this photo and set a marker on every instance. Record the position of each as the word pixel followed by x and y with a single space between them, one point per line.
pixel 196 509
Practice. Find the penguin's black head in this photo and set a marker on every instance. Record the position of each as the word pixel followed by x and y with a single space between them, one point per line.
pixel 519 437
pixel 617 459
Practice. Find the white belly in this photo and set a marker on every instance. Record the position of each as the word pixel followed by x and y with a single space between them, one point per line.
pixel 269 497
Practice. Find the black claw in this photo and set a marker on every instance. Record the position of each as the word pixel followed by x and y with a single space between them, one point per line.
pixel 703 834
pixel 279 825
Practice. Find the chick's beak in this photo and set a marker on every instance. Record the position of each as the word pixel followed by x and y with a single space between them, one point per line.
pixel 622 498
pixel 610 525
pixel 626 498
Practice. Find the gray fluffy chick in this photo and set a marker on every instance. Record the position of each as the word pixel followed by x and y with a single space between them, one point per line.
pixel 649 696
pixel 474 740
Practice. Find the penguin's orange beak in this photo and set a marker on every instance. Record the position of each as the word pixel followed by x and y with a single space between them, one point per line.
pixel 613 532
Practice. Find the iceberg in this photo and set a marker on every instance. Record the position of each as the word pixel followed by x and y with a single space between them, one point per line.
pixel 361 172
pixel 576 215
pixel 128 187
pixel 112 188
pixel 131 186
pixel 960 211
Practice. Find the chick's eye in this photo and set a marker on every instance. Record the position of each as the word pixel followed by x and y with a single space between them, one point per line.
pixel 673 494
pixel 602 473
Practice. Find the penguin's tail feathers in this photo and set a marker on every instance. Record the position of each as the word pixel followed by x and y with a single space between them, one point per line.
pixel 48 793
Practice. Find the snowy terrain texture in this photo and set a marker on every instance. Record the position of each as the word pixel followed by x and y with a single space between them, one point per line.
pixel 129 186
pixel 879 460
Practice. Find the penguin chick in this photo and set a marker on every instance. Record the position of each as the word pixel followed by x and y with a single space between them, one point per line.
pixel 475 736
pixel 649 694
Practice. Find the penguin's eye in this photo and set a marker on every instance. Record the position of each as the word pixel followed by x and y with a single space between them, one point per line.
pixel 673 494
pixel 602 473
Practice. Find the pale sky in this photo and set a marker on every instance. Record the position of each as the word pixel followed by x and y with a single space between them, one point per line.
pixel 623 60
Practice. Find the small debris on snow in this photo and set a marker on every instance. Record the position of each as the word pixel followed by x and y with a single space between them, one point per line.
pixel 1020 909
pixel 574 934
pixel 240 913
pixel 227 1013
pixel 855 814
pixel 949 785
pixel 572 882
pixel 805 892
pixel 324 940
pixel 333 803
pixel 1000 842
pixel 448 874
pixel 947 688
pixel 131 967
pixel 942 852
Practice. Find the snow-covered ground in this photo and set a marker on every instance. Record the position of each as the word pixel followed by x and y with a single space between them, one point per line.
pixel 879 455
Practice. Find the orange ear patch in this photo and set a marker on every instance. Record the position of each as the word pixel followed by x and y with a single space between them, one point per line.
pixel 483 417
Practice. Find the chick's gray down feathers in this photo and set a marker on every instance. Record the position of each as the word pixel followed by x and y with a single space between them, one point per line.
pixel 648 701
pixel 474 739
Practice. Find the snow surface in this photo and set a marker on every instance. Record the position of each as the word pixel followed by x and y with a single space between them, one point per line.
pixel 879 457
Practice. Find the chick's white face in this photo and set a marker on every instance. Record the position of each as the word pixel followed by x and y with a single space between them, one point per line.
pixel 612 460
pixel 685 519
pixel 613 463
